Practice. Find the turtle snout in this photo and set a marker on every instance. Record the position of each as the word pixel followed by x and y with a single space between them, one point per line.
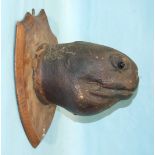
pixel 133 82
pixel 125 70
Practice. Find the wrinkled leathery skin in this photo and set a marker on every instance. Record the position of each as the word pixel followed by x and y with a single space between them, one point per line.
pixel 82 77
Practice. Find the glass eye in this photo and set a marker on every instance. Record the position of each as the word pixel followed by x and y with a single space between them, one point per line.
pixel 121 65
pixel 118 62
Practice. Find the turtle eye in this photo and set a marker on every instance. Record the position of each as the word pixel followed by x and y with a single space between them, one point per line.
pixel 121 65
pixel 118 62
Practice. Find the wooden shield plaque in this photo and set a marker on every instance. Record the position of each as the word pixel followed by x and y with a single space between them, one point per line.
pixel 36 117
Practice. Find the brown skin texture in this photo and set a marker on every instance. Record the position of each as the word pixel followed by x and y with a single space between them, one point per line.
pixel 84 78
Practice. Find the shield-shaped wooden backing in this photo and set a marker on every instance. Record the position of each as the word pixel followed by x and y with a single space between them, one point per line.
pixel 36 117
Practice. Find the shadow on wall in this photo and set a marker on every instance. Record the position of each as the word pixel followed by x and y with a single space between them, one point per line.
pixel 52 134
pixel 94 118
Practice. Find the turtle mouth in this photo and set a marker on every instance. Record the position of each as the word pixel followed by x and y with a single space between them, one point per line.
pixel 106 92
pixel 110 90
pixel 107 89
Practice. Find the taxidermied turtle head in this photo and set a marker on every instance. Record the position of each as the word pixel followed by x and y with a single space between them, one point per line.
pixel 86 78
pixel 82 77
